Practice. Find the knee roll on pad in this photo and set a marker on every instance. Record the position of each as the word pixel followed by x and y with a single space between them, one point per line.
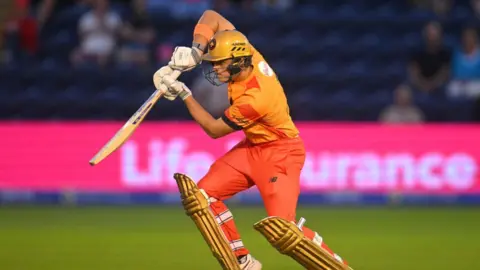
pixel 196 204
pixel 288 239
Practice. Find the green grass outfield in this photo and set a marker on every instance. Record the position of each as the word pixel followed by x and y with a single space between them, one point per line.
pixel 155 238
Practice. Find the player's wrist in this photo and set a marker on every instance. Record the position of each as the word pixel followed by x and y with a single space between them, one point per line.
pixel 199 48
pixel 185 94
pixel 197 54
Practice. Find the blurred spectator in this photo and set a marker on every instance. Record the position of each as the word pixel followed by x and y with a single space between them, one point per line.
pixel 476 7
pixel 429 67
pixel 31 16
pixel 137 35
pixel 21 32
pixel 402 110
pixel 466 59
pixel 442 7
pixel 98 31
pixel 466 67
pixel 213 98
pixel 44 9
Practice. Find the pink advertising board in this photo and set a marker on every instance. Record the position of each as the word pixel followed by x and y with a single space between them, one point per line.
pixel 424 159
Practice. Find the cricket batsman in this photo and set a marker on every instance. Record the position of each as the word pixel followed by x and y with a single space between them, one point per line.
pixel 271 156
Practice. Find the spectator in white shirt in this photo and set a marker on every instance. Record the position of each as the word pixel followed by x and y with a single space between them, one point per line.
pixel 98 31
pixel 402 110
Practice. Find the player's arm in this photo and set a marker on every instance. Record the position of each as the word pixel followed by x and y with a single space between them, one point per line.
pixel 187 58
pixel 245 111
pixel 215 128
pixel 210 23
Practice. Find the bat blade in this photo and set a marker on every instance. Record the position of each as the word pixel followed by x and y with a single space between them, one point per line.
pixel 127 130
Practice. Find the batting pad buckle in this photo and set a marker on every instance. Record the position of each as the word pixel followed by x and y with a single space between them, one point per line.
pixel 301 222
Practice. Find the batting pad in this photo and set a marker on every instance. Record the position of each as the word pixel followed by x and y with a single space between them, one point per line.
pixel 288 239
pixel 196 206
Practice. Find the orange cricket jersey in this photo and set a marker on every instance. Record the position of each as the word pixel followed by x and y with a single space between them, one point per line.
pixel 259 105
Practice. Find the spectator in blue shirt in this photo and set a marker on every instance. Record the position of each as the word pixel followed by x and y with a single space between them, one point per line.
pixel 466 59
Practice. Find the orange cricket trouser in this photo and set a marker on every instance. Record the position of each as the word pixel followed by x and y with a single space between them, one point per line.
pixel 273 167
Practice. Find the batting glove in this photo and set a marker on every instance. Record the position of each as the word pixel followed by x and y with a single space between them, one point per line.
pixel 159 74
pixel 185 58
pixel 158 82
pixel 176 88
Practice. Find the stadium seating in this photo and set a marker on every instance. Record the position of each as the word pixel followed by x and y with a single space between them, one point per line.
pixel 338 61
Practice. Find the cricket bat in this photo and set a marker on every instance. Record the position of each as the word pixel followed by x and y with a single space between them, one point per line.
pixel 130 126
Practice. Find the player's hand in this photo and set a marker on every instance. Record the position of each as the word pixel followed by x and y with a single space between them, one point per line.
pixel 176 88
pixel 185 58
pixel 158 81
pixel 159 74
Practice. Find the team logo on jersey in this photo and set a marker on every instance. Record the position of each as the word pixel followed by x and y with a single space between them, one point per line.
pixel 265 69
